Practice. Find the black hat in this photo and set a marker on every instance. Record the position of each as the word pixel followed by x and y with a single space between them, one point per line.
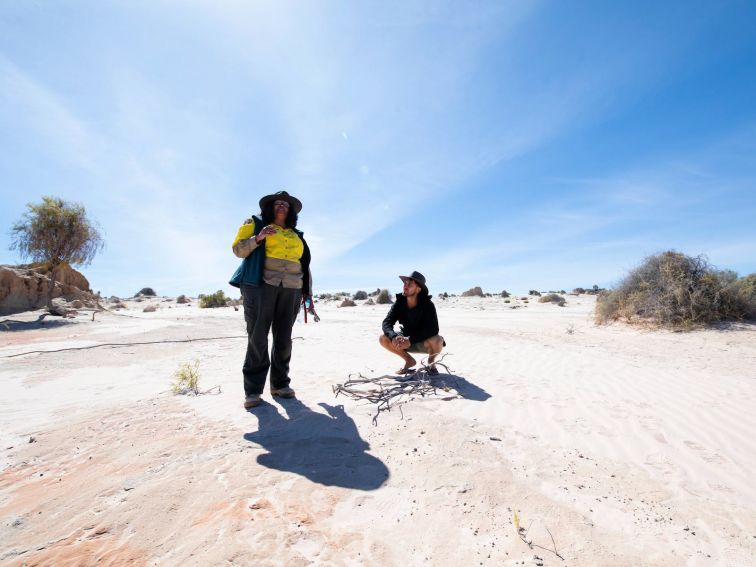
pixel 418 278
pixel 282 196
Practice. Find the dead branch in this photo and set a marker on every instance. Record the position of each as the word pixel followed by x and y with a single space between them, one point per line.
pixel 118 345
pixel 387 392
pixel 523 533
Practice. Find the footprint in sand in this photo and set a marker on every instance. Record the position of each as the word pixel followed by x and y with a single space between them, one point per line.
pixel 706 454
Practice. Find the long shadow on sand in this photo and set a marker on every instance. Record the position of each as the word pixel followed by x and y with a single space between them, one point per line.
pixel 326 449
pixel 466 389
pixel 13 325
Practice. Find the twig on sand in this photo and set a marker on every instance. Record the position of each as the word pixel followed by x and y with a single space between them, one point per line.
pixel 387 392
pixel 523 534
pixel 117 345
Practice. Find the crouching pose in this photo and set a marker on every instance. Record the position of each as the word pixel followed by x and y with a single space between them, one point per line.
pixel 417 317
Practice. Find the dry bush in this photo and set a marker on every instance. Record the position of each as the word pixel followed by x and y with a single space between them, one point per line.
pixel 360 295
pixel 347 303
pixel 217 299
pixel 505 294
pixel 473 292
pixel 578 291
pixel 553 298
pixel 182 299
pixel 146 292
pixel 383 297
pixel 534 292
pixel 150 309
pixel 676 291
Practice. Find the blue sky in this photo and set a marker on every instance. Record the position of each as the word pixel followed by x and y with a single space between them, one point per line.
pixel 511 145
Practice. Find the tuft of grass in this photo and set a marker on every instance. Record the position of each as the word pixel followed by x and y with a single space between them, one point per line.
pixel 186 378
pixel 217 299
pixel 681 292
pixel 552 298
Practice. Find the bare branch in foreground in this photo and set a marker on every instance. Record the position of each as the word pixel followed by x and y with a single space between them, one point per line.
pixel 387 392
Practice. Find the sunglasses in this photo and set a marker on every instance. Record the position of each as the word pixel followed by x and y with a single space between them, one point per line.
pixel 281 204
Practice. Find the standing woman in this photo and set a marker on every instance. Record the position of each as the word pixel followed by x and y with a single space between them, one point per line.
pixel 274 278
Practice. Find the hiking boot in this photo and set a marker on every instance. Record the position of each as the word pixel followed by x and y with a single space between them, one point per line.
pixel 284 392
pixel 252 401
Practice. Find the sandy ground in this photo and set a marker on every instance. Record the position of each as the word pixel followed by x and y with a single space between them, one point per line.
pixel 627 447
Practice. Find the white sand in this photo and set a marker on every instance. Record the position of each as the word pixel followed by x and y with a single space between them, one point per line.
pixel 630 447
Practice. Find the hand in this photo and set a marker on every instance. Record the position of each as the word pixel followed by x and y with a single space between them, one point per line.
pixel 267 231
pixel 400 342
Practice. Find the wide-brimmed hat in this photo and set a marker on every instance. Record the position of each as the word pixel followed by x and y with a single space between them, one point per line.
pixel 282 196
pixel 418 278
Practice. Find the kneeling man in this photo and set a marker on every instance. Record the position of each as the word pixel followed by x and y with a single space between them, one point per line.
pixel 416 314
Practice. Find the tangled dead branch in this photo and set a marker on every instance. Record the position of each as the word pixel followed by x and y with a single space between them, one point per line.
pixel 388 392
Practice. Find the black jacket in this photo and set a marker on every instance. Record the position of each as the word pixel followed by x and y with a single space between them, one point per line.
pixel 417 324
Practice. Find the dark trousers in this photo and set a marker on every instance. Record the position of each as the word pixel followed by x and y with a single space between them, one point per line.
pixel 268 307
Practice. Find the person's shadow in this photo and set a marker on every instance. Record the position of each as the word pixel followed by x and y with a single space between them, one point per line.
pixel 466 389
pixel 326 449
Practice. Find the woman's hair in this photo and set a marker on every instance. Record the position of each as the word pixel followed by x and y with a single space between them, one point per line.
pixel 268 216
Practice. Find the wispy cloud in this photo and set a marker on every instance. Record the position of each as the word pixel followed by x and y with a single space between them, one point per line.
pixel 61 134
pixel 380 117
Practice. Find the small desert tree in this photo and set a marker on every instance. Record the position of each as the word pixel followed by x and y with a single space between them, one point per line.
pixel 56 232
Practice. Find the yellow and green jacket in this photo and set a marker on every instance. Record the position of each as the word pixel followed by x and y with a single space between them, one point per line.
pixel 281 259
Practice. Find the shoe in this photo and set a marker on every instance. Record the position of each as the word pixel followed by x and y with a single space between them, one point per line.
pixel 252 401
pixel 404 371
pixel 284 392
pixel 432 371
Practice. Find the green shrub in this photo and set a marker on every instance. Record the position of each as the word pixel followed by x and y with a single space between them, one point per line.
pixel 534 292
pixel 360 295
pixel 578 290
pixel 217 299
pixel 677 291
pixel 186 379
pixel 182 299
pixel 383 297
pixel 505 293
pixel 553 298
